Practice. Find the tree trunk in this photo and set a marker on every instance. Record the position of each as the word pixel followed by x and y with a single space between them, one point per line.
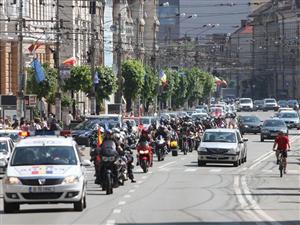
pixel 73 104
pixel 128 105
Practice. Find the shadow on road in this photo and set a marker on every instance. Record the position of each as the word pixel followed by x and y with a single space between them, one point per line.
pixel 35 211
pixel 278 188
pixel 209 165
pixel 292 222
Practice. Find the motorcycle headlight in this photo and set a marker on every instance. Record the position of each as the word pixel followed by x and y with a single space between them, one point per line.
pixel 71 180
pixel 11 181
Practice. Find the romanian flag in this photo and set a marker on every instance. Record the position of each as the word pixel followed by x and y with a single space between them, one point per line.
pixel 163 77
pixel 70 61
pixel 99 138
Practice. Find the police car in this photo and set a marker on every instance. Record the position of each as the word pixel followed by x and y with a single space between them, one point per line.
pixel 43 170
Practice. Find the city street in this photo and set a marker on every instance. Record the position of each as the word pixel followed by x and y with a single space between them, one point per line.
pixel 177 191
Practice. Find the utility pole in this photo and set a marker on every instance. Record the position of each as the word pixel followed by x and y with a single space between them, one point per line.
pixel 92 56
pixel 57 65
pixel 21 109
pixel 119 61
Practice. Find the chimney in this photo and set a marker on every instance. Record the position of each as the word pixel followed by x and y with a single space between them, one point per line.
pixel 243 23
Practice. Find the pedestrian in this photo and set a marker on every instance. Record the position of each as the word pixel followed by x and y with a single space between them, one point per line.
pixel 69 119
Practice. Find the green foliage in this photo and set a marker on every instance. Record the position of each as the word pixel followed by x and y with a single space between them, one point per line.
pixel 209 85
pixel 196 79
pixel 46 88
pixel 107 83
pixel 66 101
pixel 181 90
pixel 149 90
pixel 80 79
pixel 133 73
pixel 172 83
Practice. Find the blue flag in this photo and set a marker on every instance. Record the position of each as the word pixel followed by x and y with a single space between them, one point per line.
pixel 38 70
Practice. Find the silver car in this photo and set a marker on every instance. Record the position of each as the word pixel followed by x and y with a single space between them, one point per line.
pixel 222 146
pixel 45 169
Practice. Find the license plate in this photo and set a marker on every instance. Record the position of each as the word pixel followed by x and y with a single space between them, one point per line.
pixel 41 189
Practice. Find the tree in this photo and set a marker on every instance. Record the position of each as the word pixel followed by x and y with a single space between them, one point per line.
pixel 45 89
pixel 133 73
pixel 169 88
pixel 196 79
pixel 180 91
pixel 80 80
pixel 107 84
pixel 209 85
pixel 149 90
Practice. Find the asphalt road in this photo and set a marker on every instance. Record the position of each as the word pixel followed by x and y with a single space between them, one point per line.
pixel 177 191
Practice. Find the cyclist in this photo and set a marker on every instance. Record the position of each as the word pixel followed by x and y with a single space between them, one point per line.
pixel 283 145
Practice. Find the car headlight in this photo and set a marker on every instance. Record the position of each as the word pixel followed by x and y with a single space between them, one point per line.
pixel 11 181
pixel 3 162
pixel 231 151
pixel 71 180
pixel 246 126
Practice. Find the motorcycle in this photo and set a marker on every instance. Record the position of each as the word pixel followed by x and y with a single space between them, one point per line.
pixel 108 173
pixel 174 143
pixel 160 148
pixel 144 156
pixel 185 144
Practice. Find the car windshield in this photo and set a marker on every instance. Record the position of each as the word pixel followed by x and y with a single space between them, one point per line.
pixel 274 123
pixel 249 119
pixel 288 115
pixel 83 125
pixel 3 147
pixel 245 101
pixel 228 137
pixel 270 101
pixel 292 102
pixel 44 155
pixel 257 102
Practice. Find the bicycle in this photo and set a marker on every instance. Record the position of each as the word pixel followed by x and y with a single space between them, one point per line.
pixel 281 162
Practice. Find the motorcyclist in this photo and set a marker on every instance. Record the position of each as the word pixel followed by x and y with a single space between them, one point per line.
pixel 109 147
pixel 146 137
pixel 164 132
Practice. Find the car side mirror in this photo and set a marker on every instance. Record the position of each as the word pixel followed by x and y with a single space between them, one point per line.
pixel 86 162
pixel 241 142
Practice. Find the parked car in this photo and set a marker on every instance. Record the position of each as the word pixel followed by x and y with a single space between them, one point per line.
pixel 249 124
pixel 245 104
pixel 291 118
pixel 271 128
pixel 270 104
pixel 258 105
pixel 222 146
pixel 293 104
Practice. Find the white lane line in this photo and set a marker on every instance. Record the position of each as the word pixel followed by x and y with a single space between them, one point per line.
pixel 262 156
pixel 215 170
pixel 127 196
pixel 110 222
pixel 144 177
pixel 190 170
pixel 121 203
pixel 140 182
pixel 150 172
pixel 167 164
pixel 117 211
pixel 254 204
pixel 242 201
pixel 131 191
pixel 261 160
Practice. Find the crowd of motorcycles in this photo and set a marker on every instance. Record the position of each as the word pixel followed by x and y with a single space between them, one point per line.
pixel 160 139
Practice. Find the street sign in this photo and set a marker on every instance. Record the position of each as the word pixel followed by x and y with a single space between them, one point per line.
pixel 30 100
pixel 114 108
pixel 8 100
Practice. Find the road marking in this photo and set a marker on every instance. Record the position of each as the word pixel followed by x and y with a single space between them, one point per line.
pixel 117 211
pixel 144 177
pixel 261 160
pixel 253 203
pixel 127 196
pixel 140 182
pixel 131 191
pixel 190 170
pixel 136 186
pixel 150 172
pixel 121 203
pixel 276 171
pixel 110 222
pixel 242 201
pixel 215 170
pixel 262 156
pixel 167 164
